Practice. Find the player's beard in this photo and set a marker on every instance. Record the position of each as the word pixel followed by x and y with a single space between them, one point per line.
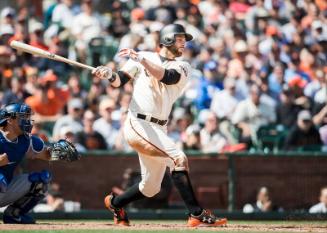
pixel 174 50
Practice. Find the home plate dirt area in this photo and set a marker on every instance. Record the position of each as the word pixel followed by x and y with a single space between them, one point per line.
pixel 174 226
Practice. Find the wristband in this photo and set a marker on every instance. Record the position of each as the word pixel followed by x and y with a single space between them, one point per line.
pixel 112 78
pixel 139 57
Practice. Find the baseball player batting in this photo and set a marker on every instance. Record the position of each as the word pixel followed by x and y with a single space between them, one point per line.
pixel 158 81
pixel 22 192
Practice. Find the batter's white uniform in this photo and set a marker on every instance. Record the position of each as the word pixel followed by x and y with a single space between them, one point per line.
pixel 153 98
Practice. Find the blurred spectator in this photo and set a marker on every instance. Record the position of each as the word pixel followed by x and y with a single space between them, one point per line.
pixel 193 139
pixel 75 88
pixel 321 207
pixel 303 133
pixel 89 138
pixel 72 119
pixel 181 120
pixel 85 26
pixel 36 35
pixel 40 132
pixel 31 80
pixel 264 203
pixel 16 92
pixel 236 66
pixel 48 100
pixel 211 139
pixel 225 101
pixel 287 110
pixel 252 113
pixel 223 104
pixel 276 79
pixel 68 133
pixel 314 86
pixel 62 18
pixel 208 85
pixel 53 200
pixel 104 125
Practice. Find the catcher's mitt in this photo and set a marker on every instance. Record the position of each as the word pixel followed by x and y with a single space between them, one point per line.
pixel 64 150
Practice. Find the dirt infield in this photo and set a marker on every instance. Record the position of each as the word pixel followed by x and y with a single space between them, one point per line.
pixel 173 227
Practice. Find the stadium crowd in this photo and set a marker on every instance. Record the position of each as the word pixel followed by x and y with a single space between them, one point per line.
pixel 259 70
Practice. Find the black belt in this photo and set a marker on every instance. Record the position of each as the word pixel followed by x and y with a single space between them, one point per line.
pixel 152 119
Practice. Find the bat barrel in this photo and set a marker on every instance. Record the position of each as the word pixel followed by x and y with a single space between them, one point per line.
pixel 20 46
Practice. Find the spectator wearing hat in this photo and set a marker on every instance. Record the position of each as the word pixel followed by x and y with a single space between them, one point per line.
pixel 208 85
pixel 7 24
pixel 36 35
pixel 236 67
pixel 73 119
pixel 49 100
pixel 287 110
pixel 104 124
pixel 272 37
pixel 304 133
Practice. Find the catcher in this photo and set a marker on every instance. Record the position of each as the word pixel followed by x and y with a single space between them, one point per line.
pixel 22 192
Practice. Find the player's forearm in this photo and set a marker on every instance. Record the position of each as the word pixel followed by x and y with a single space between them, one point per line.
pixel 155 70
pixel 3 159
pixel 43 155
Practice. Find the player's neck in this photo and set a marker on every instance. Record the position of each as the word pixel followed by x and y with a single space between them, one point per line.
pixel 11 136
pixel 166 53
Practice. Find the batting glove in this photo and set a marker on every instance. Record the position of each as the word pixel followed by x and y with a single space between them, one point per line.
pixel 103 72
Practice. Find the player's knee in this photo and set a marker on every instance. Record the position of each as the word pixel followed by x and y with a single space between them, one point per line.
pixel 149 190
pixel 40 181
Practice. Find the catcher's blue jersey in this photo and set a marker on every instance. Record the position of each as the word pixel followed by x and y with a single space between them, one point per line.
pixel 16 151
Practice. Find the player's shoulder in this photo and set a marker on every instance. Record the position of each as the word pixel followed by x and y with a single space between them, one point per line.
pixel 184 67
pixel 36 143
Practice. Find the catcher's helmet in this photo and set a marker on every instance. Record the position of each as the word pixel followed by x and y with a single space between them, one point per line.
pixel 168 33
pixel 22 111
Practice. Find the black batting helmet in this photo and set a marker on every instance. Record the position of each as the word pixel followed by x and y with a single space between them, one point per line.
pixel 168 33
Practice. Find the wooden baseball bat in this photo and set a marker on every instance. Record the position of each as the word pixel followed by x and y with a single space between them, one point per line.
pixel 20 46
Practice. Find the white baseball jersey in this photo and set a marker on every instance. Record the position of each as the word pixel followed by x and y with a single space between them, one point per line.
pixel 151 96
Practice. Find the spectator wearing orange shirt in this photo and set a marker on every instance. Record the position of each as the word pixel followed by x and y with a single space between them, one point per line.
pixel 48 99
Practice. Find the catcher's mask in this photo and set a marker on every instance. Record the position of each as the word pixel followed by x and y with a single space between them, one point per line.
pixel 168 33
pixel 21 111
